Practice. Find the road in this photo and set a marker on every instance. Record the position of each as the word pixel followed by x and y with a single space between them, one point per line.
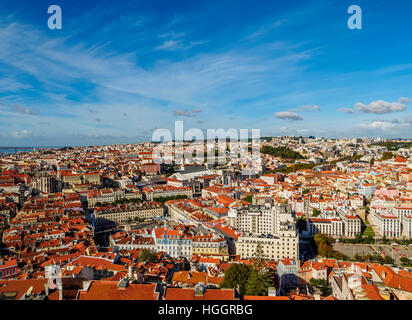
pixel 350 250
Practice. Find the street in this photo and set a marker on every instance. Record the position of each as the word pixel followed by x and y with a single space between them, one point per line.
pixel 350 250
pixel 395 252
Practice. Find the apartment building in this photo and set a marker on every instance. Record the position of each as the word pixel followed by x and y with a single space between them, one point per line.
pixel 387 224
pixel 106 196
pixel 367 189
pixel 260 219
pixel 352 224
pixel 273 227
pixel 166 191
pixel 8 269
pixel 274 247
pixel 402 211
pixel 407 226
pixel 120 214
pixel 211 245
pixel 174 242
pixel 330 226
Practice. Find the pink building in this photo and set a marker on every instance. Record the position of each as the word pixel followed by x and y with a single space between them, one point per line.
pixel 8 269
pixel 387 192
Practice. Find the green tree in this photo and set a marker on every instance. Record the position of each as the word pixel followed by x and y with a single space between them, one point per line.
pixel 322 285
pixel 259 262
pixel 316 212
pixel 405 262
pixel 282 152
pixel 387 155
pixel 147 256
pixel 236 276
pixel 249 198
pixel 258 283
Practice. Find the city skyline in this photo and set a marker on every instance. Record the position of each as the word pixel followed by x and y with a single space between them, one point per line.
pixel 114 74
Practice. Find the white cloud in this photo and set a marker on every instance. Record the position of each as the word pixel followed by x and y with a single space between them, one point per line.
pixel 171 45
pixel 20 134
pixel 382 107
pixel 306 108
pixel 386 124
pixel 346 110
pixel 287 115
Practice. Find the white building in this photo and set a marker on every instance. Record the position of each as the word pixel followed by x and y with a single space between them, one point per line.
pixel 273 227
pixel 330 226
pixel 175 243
pixel 387 224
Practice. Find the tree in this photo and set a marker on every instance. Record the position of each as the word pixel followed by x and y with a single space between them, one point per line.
pixel 147 256
pixel 387 155
pixel 258 283
pixel 316 212
pixel 323 238
pixel 249 198
pixel 236 276
pixel 282 152
pixel 405 261
pixel 322 285
pixel 259 262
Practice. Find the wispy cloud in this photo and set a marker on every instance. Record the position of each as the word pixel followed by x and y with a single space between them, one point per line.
pixel 181 113
pixel 346 110
pixel 20 134
pixel 306 108
pixel 22 110
pixel 287 115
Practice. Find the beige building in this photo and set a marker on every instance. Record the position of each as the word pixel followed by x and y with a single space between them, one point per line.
pixel 210 245
pixel 274 247
pixel 166 191
pixel 112 215
pixel 273 227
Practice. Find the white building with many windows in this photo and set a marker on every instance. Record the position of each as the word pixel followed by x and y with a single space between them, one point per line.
pixel 387 224
pixel 173 242
pixel 273 227
pixel 330 226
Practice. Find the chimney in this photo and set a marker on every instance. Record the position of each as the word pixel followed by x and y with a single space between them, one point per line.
pixel 46 287
pixel 61 293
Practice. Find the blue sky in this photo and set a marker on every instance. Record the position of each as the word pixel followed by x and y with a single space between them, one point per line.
pixel 119 70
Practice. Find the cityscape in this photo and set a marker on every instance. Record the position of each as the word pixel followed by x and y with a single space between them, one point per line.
pixel 180 150
pixel 319 219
